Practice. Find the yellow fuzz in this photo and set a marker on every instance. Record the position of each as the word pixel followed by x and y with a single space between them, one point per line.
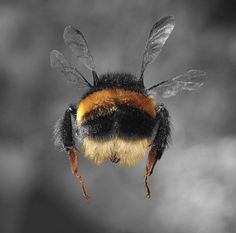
pixel 107 100
pixel 130 152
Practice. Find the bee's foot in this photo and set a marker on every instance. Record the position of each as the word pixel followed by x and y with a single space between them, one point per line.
pixel 114 159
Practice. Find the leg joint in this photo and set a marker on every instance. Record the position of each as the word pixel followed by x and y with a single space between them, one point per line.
pixel 72 109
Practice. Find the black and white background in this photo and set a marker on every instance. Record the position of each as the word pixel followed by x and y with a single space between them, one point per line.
pixel 194 187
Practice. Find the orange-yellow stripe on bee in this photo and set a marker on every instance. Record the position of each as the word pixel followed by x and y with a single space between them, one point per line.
pixel 110 98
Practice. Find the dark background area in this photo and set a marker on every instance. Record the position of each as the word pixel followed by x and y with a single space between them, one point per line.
pixel 194 183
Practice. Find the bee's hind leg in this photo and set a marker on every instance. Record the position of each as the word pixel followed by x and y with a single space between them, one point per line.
pixel 66 135
pixel 159 144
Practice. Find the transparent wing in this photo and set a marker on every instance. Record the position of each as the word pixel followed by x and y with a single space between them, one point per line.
pixel 157 38
pixel 189 81
pixel 61 64
pixel 78 45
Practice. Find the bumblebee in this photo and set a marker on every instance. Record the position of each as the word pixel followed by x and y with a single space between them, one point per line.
pixel 118 118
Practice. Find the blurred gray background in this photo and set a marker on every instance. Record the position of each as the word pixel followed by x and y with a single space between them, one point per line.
pixel 193 185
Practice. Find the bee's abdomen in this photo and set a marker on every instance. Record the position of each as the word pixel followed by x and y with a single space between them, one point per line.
pixel 116 123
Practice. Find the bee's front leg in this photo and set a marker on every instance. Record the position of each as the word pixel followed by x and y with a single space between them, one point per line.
pixel 159 144
pixel 67 136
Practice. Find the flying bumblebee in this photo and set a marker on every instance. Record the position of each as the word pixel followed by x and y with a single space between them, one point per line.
pixel 118 118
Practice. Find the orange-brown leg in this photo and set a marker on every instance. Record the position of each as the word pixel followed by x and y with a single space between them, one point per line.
pixel 151 162
pixel 73 155
pixel 65 135
pixel 159 143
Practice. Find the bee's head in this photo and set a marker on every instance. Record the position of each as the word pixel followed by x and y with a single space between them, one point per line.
pixel 125 81
pixel 120 80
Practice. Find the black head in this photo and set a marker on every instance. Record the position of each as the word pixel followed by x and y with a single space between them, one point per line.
pixel 125 81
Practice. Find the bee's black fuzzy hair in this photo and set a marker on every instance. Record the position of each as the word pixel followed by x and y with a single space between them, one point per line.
pixel 163 135
pixel 125 81
pixel 127 121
